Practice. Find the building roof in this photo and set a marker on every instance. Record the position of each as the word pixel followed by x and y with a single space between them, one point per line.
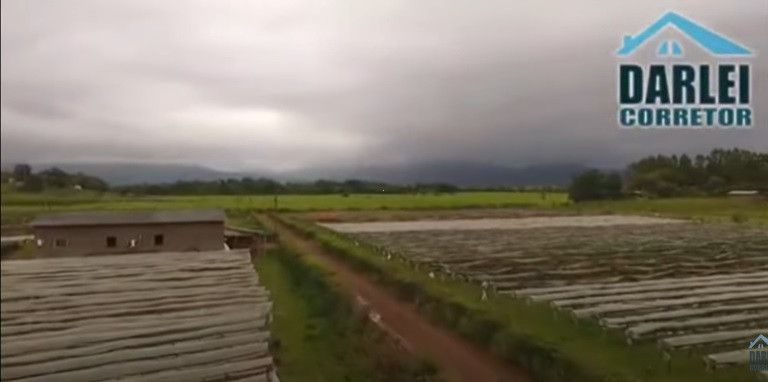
pixel 149 317
pixel 759 341
pixel 710 40
pixel 16 239
pixel 128 217
pixel 246 232
pixel 743 192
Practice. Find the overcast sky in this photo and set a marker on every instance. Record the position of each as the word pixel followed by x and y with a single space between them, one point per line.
pixel 242 85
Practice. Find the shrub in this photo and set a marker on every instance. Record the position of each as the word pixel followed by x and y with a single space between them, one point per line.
pixel 739 218
pixel 596 185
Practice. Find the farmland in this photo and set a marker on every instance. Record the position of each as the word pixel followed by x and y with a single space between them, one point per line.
pixel 681 286
pixel 701 208
pixel 607 277
pixel 19 207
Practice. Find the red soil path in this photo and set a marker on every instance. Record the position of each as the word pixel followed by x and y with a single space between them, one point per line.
pixel 456 358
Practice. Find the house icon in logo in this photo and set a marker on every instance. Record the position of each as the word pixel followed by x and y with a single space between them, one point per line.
pixel 760 342
pixel 758 353
pixel 709 40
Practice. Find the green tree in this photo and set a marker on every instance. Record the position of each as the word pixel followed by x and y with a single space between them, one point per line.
pixel 22 171
pixel 55 177
pixel 596 185
pixel 612 186
pixel 715 173
pixel 33 183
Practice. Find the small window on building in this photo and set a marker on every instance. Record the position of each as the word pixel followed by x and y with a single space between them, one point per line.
pixel 132 243
pixel 111 241
pixel 60 242
pixel 159 239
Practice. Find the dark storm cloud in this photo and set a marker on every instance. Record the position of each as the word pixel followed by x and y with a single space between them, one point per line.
pixel 255 84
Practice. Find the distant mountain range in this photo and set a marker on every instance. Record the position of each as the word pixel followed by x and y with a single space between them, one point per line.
pixel 458 173
pixel 465 174
pixel 137 173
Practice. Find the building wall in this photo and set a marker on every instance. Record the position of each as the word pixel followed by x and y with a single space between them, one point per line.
pixel 89 240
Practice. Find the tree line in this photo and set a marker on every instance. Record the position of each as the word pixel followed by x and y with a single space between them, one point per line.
pixel 661 176
pixel 658 176
pixel 266 186
pixel 24 179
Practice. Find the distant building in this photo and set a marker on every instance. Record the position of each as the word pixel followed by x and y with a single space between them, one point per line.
pixel 255 240
pixel 744 193
pixel 11 244
pixel 104 232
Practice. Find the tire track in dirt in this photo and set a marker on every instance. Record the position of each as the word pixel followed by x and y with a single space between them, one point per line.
pixel 456 358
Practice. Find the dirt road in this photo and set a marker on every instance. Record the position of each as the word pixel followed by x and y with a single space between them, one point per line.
pixel 457 359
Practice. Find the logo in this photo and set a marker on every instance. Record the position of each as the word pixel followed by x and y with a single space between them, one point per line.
pixel 659 87
pixel 758 354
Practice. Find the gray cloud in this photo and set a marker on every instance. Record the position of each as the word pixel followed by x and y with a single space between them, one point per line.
pixel 291 84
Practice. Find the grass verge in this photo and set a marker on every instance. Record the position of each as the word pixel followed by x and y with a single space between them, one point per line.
pixel 551 345
pixel 318 336
pixel 736 210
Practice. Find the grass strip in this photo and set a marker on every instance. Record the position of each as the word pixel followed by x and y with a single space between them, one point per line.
pixel 318 335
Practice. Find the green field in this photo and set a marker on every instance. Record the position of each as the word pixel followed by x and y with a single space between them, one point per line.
pixel 287 202
pixel 21 207
pixel 710 209
pixel 17 207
